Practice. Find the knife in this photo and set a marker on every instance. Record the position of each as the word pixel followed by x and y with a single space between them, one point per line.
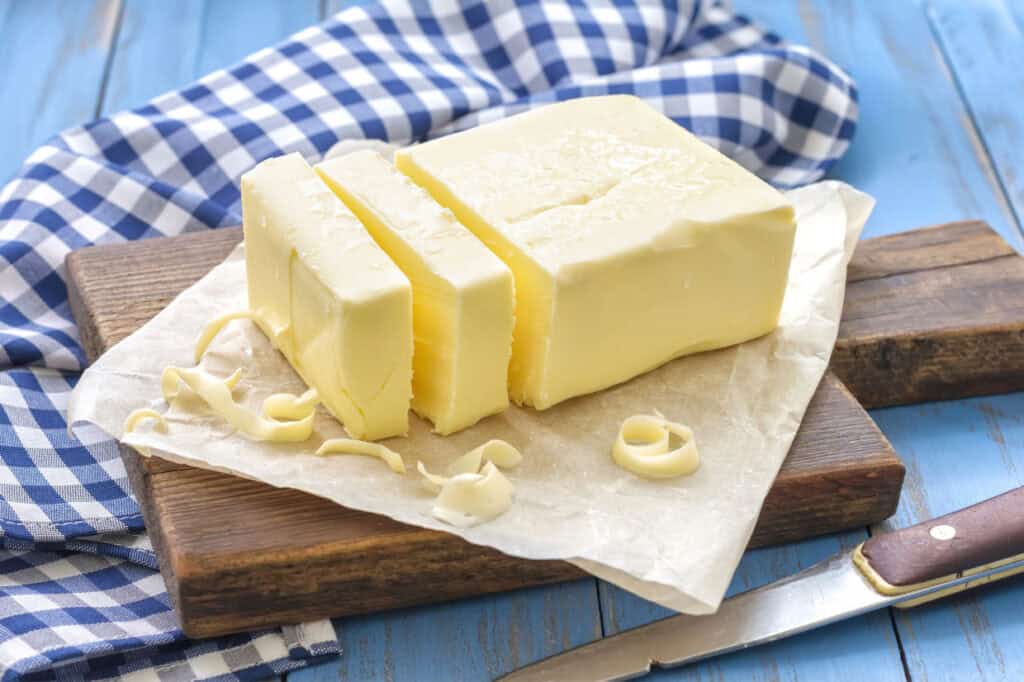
pixel 902 568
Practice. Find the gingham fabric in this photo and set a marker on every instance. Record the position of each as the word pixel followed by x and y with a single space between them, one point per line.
pixel 79 595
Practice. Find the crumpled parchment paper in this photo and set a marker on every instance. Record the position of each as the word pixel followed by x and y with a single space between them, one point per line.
pixel 676 542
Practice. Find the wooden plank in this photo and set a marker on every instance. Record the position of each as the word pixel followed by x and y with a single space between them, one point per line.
pixel 219 574
pixel 269 528
pixel 474 639
pixel 966 451
pixel 155 52
pixel 931 315
pixel 332 7
pixel 282 556
pixel 140 270
pixel 983 42
pixel 859 649
pixel 959 453
pixel 53 57
pixel 166 45
pixel 254 25
pixel 915 149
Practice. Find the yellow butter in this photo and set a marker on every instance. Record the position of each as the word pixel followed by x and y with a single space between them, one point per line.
pixel 216 393
pixel 642 446
pixel 631 241
pixel 475 490
pixel 337 307
pixel 348 446
pixel 463 295
pixel 133 419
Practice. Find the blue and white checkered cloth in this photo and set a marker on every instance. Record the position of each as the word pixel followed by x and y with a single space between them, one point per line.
pixel 79 593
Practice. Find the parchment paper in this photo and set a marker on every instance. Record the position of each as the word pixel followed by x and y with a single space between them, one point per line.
pixel 676 542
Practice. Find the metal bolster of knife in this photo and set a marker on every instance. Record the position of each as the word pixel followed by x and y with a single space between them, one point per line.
pixel 977 540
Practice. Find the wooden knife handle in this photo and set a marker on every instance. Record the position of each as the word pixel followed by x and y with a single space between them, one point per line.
pixel 986 533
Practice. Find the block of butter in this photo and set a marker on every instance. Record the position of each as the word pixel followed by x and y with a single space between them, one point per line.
pixel 463 295
pixel 338 308
pixel 631 241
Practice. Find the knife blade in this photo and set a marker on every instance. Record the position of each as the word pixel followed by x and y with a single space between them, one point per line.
pixel 902 568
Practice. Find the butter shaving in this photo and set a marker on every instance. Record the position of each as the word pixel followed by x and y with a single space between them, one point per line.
pixel 432 482
pixel 133 419
pixel 351 446
pixel 217 394
pixel 472 493
pixel 642 447
pixel 215 326
pixel 497 451
pixel 468 499
pixel 288 406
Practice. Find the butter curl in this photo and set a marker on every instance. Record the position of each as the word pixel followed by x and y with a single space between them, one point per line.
pixel 468 499
pixel 475 489
pixel 133 419
pixel 216 392
pixel 642 447
pixel 215 326
pixel 351 446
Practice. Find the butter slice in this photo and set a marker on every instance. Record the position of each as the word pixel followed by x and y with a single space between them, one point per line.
pixel 339 310
pixel 463 295
pixel 631 241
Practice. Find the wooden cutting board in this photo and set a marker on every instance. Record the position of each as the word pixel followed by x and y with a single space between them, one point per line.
pixel 933 313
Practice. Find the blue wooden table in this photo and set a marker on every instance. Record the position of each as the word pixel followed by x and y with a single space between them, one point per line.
pixel 940 138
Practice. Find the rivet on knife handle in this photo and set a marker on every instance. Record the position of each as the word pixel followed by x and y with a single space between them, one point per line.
pixel 968 541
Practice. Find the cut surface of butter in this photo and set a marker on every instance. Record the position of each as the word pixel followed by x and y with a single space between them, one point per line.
pixel 336 306
pixel 463 295
pixel 631 241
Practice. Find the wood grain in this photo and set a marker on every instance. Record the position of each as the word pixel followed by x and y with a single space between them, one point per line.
pixel 961 452
pixel 982 43
pixel 915 149
pixel 53 57
pixel 242 572
pixel 166 45
pixel 470 639
pixel 932 314
pixel 986 532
